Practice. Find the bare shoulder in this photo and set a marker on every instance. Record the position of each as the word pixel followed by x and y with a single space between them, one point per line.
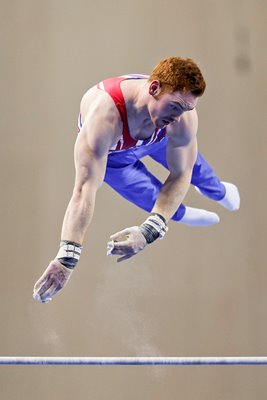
pixel 96 102
pixel 184 130
pixel 100 119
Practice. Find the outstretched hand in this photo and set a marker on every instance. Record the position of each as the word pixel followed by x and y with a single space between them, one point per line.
pixel 126 243
pixel 52 281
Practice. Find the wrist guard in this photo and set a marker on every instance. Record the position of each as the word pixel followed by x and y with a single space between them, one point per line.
pixel 69 253
pixel 154 227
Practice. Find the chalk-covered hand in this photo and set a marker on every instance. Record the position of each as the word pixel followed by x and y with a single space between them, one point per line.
pixel 52 281
pixel 126 243
pixel 130 241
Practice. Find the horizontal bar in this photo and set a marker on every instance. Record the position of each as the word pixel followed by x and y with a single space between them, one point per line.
pixel 133 360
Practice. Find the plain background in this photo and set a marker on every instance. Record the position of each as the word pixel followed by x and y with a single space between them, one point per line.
pixel 199 292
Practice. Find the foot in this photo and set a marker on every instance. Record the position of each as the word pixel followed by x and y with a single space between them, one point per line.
pixel 198 217
pixel 231 199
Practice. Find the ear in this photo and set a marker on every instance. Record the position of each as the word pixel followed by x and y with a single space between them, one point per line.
pixel 154 88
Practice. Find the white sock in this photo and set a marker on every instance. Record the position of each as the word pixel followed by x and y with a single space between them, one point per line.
pixel 198 217
pixel 231 200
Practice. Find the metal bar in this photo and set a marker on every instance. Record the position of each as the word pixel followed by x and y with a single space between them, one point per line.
pixel 133 360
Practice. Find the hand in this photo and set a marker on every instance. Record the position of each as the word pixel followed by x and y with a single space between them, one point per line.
pixel 126 243
pixel 53 279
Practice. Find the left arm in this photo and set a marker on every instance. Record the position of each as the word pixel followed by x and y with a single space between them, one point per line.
pixel 181 156
pixel 181 159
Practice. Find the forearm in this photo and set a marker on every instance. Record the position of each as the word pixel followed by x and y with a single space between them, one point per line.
pixel 78 216
pixel 131 241
pixel 172 194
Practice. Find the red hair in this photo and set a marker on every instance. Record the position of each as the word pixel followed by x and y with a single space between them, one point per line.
pixel 179 74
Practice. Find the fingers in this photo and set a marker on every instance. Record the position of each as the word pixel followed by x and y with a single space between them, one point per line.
pixel 44 291
pixel 50 292
pixel 54 279
pixel 45 286
pixel 121 248
pixel 41 285
pixel 117 248
pixel 110 247
pixel 125 257
pixel 120 235
pixel 47 291
pixel 126 243
pixel 114 248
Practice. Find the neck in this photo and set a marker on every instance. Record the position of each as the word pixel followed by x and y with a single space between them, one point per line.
pixel 136 97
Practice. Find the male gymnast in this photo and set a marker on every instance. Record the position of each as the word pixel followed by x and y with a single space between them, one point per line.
pixel 122 120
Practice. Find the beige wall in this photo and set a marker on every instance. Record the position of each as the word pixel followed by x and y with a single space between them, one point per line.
pixel 200 292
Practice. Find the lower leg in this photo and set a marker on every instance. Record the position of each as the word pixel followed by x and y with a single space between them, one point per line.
pixel 195 216
pixel 203 176
pixel 205 179
pixel 207 183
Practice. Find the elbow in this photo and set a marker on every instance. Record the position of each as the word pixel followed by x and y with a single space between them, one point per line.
pixel 83 190
pixel 77 194
pixel 183 175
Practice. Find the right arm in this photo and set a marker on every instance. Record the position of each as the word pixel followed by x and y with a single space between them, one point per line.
pixel 91 150
pixel 90 164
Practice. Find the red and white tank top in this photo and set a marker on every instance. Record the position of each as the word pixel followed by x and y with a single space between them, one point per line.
pixel 112 87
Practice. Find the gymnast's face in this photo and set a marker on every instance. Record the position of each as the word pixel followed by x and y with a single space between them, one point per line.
pixel 166 108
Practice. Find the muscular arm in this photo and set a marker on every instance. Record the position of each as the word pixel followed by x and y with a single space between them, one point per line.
pixel 91 150
pixel 101 127
pixel 90 163
pixel 181 160
pixel 181 156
